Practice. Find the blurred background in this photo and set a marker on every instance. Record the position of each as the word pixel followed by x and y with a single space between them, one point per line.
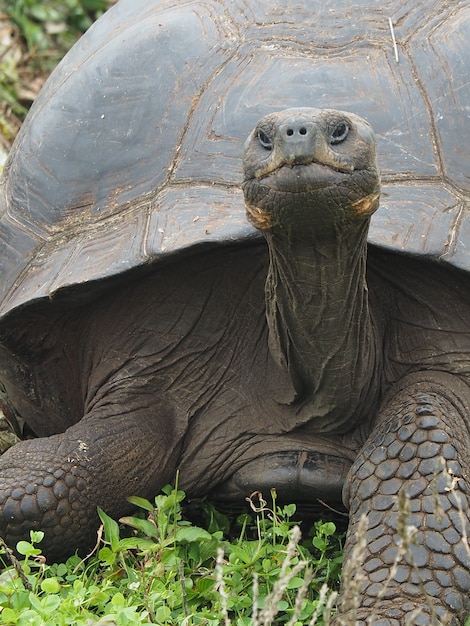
pixel 34 36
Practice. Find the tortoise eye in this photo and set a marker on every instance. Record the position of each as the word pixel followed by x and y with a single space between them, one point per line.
pixel 339 133
pixel 264 140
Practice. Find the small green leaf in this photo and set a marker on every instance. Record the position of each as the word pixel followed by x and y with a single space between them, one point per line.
pixel 50 585
pixel 205 584
pixel 163 614
pixel 61 570
pixel 36 536
pixel 171 501
pixel 267 565
pixel 51 603
pixel 27 549
pixel 9 615
pixel 141 503
pixel 139 543
pixel 35 602
pixel 29 618
pixel 208 549
pixel 289 510
pixel 238 553
pixel 118 600
pixel 111 530
pixel 328 528
pixel 192 533
pixel 319 543
pixel 295 583
pixel 106 555
pixel 145 526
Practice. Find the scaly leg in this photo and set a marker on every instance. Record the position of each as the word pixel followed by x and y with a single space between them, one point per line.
pixel 55 483
pixel 421 448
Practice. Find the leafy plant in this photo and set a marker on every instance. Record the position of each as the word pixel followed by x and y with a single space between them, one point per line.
pixel 50 28
pixel 159 568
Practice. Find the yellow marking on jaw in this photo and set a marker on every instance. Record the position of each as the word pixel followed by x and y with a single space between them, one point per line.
pixel 366 206
pixel 258 218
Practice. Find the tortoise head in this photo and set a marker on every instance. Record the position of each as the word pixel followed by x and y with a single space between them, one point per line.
pixel 309 169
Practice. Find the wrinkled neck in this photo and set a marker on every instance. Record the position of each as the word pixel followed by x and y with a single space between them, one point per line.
pixel 319 323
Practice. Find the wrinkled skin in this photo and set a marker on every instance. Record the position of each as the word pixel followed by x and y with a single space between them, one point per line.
pixel 305 364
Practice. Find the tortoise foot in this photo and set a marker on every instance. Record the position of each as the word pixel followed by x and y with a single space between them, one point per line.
pixel 399 612
pixel 409 507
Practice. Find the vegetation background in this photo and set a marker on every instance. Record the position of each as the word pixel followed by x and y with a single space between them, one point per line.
pixel 34 36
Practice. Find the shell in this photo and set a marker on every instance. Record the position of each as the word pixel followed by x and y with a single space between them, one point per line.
pixel 132 151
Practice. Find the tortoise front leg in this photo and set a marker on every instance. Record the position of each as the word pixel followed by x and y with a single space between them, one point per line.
pixel 55 483
pixel 414 567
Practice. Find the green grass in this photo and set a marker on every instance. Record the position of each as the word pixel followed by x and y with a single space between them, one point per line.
pixel 160 568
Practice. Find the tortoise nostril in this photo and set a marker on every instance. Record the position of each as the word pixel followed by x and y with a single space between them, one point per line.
pixel 295 130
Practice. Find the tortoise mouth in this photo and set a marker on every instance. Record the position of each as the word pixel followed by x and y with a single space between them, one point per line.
pixel 301 177
pixel 310 173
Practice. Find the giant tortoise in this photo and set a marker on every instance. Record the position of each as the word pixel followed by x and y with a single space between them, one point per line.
pixel 147 326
